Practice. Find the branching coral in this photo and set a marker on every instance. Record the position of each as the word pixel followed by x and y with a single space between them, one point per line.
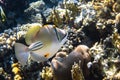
pixel 72 6
pixel 17 71
pixel 97 49
pixel 56 18
pixel 116 76
pixel 77 72
pixel 46 73
pixel 106 58
pixel 110 72
pixel 116 39
pixel 116 6
pixel 113 72
pixel 59 16
pixel 109 3
pixel 117 20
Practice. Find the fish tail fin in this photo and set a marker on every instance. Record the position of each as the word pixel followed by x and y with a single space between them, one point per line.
pixel 21 53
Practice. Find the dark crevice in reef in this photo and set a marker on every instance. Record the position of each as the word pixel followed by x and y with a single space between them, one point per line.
pixel 96 34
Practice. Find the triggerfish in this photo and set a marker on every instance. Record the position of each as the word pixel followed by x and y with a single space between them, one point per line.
pixel 43 43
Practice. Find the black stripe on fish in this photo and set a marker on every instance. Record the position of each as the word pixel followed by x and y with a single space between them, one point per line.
pixel 58 37
pixel 36 46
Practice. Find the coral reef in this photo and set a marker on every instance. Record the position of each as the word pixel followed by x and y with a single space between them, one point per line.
pixel 47 73
pixel 115 39
pixel 94 23
pixel 17 72
pixel 77 72
pixel 33 12
pixel 13 13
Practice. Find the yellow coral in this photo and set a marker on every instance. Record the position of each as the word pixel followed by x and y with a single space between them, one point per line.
pixel 117 19
pixel 116 76
pixel 97 49
pixel 116 7
pixel 72 7
pixel 55 18
pixel 15 65
pixel 97 7
pixel 17 77
pixel 109 3
pixel 77 72
pixel 116 39
pixel 112 73
pixel 46 73
pixel 15 70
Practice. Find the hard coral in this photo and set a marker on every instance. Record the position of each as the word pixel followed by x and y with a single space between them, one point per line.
pixel 62 64
pixel 109 3
pixel 117 20
pixel 17 71
pixel 76 72
pixel 116 39
pixel 46 73
pixel 116 7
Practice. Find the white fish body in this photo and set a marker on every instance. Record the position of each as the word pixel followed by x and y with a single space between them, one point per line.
pixel 50 38
pixel 24 52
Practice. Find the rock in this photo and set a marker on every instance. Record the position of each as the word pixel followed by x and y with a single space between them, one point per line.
pixel 62 64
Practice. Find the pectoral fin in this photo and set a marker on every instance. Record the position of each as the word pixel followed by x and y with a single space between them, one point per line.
pixel 37 57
